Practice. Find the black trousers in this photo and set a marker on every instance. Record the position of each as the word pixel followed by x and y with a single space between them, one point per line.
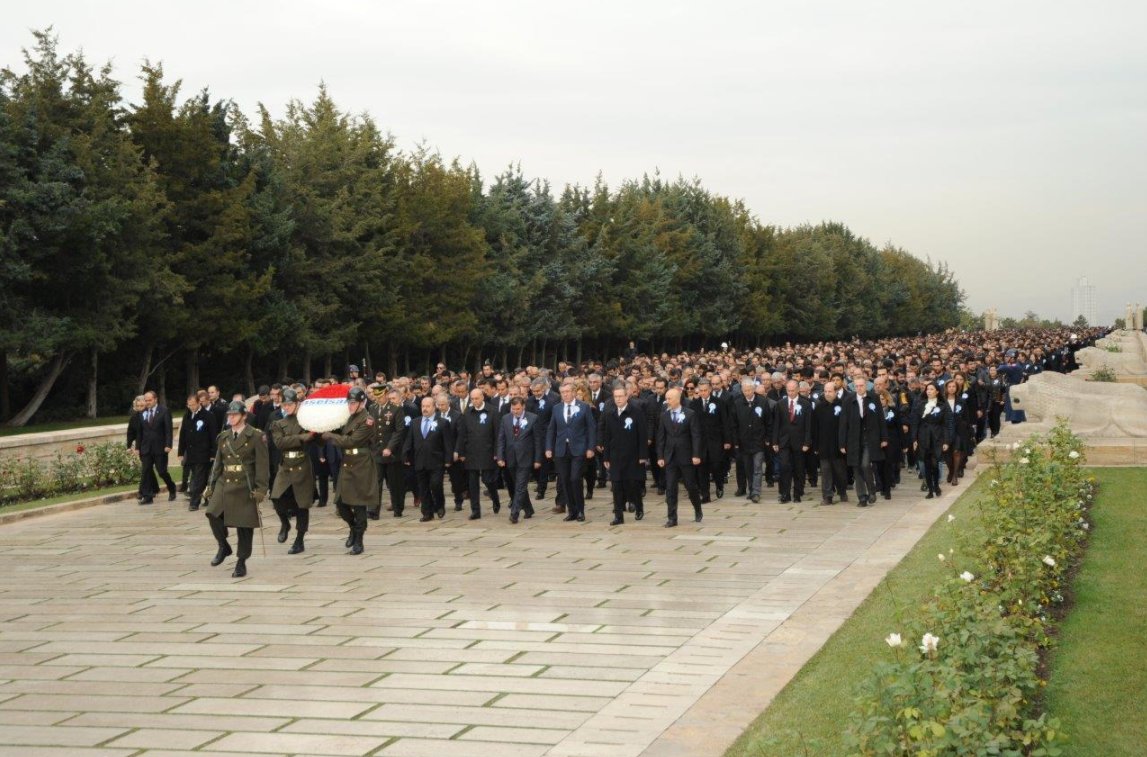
pixel 811 466
pixel 395 478
pixel 687 474
pixel 430 491
pixel 862 475
pixel 711 471
pixel 519 480
pixel 570 469
pixel 197 473
pixel 153 466
pixel 353 515
pixel 246 536
pixel 833 476
pixel 457 475
pixel 624 492
pixel 474 481
pixel 658 472
pixel 542 475
pixel 791 464
pixel 287 507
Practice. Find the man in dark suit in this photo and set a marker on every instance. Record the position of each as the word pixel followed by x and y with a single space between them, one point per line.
pixel 519 452
pixel 475 447
pixel 196 451
pixel 426 451
pixel 624 448
pixel 155 442
pixel 863 436
pixel 826 440
pixel 716 438
pixel 455 470
pixel 541 403
pixel 752 420
pixel 679 454
pixel 570 441
pixel 792 438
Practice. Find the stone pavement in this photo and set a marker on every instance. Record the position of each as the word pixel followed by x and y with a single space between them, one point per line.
pixel 461 638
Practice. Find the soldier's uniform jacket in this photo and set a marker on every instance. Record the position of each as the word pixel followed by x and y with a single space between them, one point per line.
pixel 358 479
pixel 389 425
pixel 295 472
pixel 239 479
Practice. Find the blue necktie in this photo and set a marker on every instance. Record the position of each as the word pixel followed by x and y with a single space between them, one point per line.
pixel 425 427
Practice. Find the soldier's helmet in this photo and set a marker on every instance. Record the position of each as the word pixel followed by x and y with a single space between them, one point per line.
pixel 356 394
pixel 237 407
pixel 290 395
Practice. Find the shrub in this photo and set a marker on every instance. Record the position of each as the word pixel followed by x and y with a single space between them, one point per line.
pixel 1103 374
pixel 95 467
pixel 973 685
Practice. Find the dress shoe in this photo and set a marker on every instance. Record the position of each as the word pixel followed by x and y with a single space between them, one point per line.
pixel 720 492
pixel 528 514
pixel 514 519
pixel 171 495
pixel 706 500
pixel 783 500
pixel 539 494
pixel 297 547
pixel 474 516
pixel 629 506
pixel 887 495
pixel 938 492
pixel 738 493
pixel 356 548
pixel 240 569
pixel 497 507
pixel 349 541
pixel 755 499
pixel 670 524
pixel 929 495
pixel 558 510
pixel 639 514
pixel 192 508
pixel 146 501
pixel 581 517
pixel 426 519
pixel 283 531
pixel 322 504
pixel 796 499
pixel 617 520
pixel 221 555
pixel 389 508
pixel 697 515
pixel 181 488
pixel 374 514
pixel 661 491
pixel 843 497
pixel 924 487
pixel 825 502
pixel 457 507
pixel 568 518
pixel 441 513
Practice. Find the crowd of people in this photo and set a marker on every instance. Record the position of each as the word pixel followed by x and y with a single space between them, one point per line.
pixel 847 417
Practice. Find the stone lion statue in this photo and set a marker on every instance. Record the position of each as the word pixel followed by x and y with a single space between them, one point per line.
pixel 1095 409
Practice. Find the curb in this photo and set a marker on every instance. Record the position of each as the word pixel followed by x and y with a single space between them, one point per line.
pixel 63 507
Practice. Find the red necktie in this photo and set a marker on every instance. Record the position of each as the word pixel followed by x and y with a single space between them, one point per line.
pixel 792 410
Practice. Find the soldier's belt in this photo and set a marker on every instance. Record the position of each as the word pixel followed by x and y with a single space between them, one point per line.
pixel 233 468
pixel 292 455
pixel 356 451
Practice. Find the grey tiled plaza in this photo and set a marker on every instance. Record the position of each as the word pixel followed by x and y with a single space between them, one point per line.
pixel 448 639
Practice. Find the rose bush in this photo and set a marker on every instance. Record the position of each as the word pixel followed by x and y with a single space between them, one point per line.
pixel 96 467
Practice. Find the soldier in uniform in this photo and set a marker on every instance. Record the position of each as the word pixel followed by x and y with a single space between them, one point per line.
pixel 238 484
pixel 358 479
pixel 386 446
pixel 293 488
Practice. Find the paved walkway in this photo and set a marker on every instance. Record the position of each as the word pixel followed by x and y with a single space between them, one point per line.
pixel 546 638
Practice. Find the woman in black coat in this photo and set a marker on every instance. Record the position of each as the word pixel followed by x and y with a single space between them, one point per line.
pixel 963 423
pixel 931 435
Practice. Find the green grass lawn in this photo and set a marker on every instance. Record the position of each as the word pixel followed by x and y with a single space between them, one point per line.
pixel 1098 684
pixel 809 716
pixel 62 425
pixel 1099 676
pixel 176 474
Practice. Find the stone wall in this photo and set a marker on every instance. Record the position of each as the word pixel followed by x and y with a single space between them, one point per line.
pixel 47 444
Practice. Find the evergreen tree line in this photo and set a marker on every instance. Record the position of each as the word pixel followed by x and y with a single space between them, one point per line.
pixel 138 241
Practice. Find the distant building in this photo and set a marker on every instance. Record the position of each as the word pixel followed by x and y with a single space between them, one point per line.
pixel 1083 302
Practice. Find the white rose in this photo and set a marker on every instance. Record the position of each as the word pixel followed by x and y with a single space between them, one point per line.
pixel 894 640
pixel 929 643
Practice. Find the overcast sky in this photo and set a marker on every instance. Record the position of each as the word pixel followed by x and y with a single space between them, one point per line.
pixel 1008 139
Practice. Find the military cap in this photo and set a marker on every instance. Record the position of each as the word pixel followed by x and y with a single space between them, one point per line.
pixel 237 407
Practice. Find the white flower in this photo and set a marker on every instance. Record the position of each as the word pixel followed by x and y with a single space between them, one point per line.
pixel 1074 455
pixel 1015 445
pixel 1023 461
pixel 1085 526
pixel 951 518
pixel 894 640
pixel 1049 561
pixel 1027 450
pixel 942 557
pixel 929 643
pixel 995 482
pixel 968 577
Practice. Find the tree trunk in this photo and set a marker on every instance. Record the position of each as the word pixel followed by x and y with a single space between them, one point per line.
pixel 579 350
pixel 442 359
pixel 543 363
pixel 406 358
pixel 145 371
pixel 534 351
pixel 192 369
pixel 161 388
pixel 284 365
pixel 5 397
pixel 392 361
pixel 307 366
pixel 327 366
pixel 93 384
pixel 59 362
pixel 249 370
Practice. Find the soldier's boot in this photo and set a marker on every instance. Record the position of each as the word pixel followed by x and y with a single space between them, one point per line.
pixel 302 523
pixel 359 528
pixel 284 521
pixel 348 517
pixel 220 532
pixel 246 538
